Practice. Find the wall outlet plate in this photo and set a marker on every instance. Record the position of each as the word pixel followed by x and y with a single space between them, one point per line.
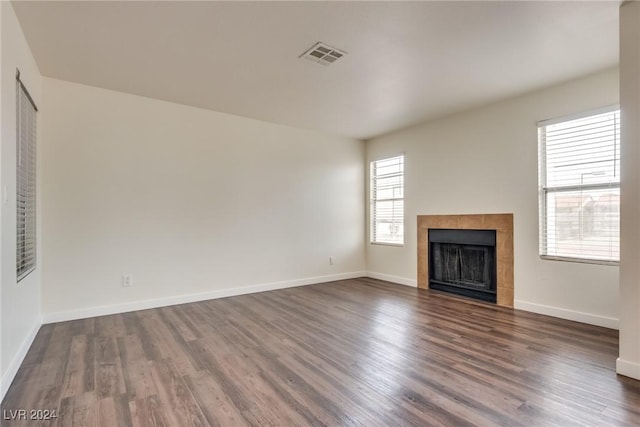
pixel 127 280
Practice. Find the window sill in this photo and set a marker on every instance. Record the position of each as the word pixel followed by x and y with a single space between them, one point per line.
pixel 397 245
pixel 580 260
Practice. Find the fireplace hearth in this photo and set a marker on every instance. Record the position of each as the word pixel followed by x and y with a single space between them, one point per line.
pixel 463 262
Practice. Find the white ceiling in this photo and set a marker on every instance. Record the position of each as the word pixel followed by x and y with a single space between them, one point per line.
pixel 406 62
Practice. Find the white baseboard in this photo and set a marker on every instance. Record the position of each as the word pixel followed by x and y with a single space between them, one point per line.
pixel 628 369
pixel 394 279
pixel 12 370
pixel 563 313
pixel 83 313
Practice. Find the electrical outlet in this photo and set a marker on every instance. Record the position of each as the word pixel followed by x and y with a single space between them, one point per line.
pixel 127 281
pixel 331 261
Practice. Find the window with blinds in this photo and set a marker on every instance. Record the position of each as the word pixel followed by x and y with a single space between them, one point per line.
pixel 387 201
pixel 579 182
pixel 26 181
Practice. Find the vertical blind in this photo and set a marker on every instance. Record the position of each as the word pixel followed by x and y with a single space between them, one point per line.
pixel 579 181
pixel 387 201
pixel 26 181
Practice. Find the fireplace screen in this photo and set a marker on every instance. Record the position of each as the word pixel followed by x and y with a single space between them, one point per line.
pixel 462 265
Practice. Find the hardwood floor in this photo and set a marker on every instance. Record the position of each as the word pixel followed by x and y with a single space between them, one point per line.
pixel 354 352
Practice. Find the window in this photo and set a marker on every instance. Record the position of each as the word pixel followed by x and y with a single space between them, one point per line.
pixel 387 201
pixel 26 180
pixel 579 182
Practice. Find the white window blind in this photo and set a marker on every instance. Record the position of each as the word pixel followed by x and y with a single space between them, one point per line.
pixel 387 201
pixel 26 181
pixel 579 181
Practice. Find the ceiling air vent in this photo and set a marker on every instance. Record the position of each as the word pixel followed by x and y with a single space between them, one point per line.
pixel 323 54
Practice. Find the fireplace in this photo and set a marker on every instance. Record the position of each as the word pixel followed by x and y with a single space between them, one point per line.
pixel 463 262
pixel 500 223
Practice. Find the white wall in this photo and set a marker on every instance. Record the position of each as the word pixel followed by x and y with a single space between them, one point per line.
pixel 20 314
pixel 193 203
pixel 485 161
pixel 629 361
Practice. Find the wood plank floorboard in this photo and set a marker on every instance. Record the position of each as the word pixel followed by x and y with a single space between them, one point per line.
pixel 358 352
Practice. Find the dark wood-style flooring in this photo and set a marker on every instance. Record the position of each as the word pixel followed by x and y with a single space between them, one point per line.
pixel 355 352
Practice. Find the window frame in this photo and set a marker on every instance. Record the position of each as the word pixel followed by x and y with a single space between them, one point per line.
pixel 372 201
pixel 26 210
pixel 544 190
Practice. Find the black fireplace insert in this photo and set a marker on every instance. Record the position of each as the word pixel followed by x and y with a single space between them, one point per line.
pixel 463 262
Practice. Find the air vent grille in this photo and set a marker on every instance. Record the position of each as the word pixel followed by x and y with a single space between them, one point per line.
pixel 323 54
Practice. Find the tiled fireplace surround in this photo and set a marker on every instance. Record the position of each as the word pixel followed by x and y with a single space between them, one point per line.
pixel 502 223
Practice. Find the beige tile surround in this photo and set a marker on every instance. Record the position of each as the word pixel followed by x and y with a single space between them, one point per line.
pixel 502 223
